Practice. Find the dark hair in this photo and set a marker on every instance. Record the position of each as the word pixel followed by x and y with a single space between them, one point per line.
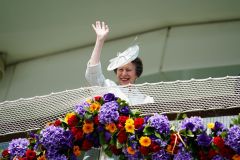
pixel 139 66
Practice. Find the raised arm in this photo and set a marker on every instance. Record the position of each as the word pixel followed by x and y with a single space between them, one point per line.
pixel 102 31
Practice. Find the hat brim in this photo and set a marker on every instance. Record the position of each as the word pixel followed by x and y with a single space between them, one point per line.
pixel 124 58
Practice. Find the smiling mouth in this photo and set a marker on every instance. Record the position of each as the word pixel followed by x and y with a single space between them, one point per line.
pixel 125 79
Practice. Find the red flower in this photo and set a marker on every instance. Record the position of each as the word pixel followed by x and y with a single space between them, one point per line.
pixel 77 132
pixel 31 155
pixel 219 142
pixel 57 123
pixel 122 136
pixel 122 119
pixel 115 150
pixel 5 153
pixel 211 153
pixel 138 122
pixel 86 145
pixel 73 121
pixel 202 155
pixel 144 150
pixel 227 152
pixel 96 120
pixel 155 147
pixel 97 98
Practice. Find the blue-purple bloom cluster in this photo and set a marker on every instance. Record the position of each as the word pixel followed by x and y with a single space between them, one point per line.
pixel 109 97
pixel 204 140
pixel 219 128
pixel 183 155
pixel 79 108
pixel 162 154
pixel 218 157
pixel 136 156
pixel 18 147
pixel 108 112
pixel 55 139
pixel 233 138
pixel 194 124
pixel 160 123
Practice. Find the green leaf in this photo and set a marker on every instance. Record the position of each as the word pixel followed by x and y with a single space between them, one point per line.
pixel 148 130
pixel 135 112
pixel 119 145
pixel 105 146
pixel 184 116
pixel 158 135
pixel 108 152
pixel 87 115
pixel 102 139
pixel 190 134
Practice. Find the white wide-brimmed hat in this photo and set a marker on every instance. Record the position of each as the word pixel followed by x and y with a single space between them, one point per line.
pixel 123 58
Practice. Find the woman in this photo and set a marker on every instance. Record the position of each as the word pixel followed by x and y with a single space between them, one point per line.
pixel 127 66
pixel 126 73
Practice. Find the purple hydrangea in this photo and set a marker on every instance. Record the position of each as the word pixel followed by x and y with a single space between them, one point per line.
pixel 124 110
pixel 79 108
pixel 136 156
pixel 183 155
pixel 18 147
pixel 233 138
pixel 193 123
pixel 108 97
pixel 218 128
pixel 108 112
pixel 55 139
pixel 58 157
pixel 161 142
pixel 162 154
pixel 204 140
pixel 217 157
pixel 160 123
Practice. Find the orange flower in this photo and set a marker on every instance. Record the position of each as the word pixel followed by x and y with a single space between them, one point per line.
pixel 76 151
pixel 145 141
pixel 94 106
pixel 111 127
pixel 88 128
pixel 169 148
pixel 42 158
pixel 236 157
pixel 130 150
pixel 129 127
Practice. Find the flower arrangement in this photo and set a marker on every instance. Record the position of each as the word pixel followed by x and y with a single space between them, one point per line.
pixel 108 122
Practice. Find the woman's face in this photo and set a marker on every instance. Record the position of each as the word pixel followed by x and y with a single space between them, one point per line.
pixel 126 74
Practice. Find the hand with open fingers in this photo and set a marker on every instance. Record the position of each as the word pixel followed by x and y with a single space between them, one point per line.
pixel 101 30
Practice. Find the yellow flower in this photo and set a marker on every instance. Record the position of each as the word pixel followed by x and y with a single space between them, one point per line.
pixel 68 116
pixel 76 151
pixel 236 157
pixel 88 128
pixel 210 125
pixel 111 127
pixel 89 100
pixel 94 106
pixel 129 121
pixel 129 128
pixel 145 141
pixel 130 150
